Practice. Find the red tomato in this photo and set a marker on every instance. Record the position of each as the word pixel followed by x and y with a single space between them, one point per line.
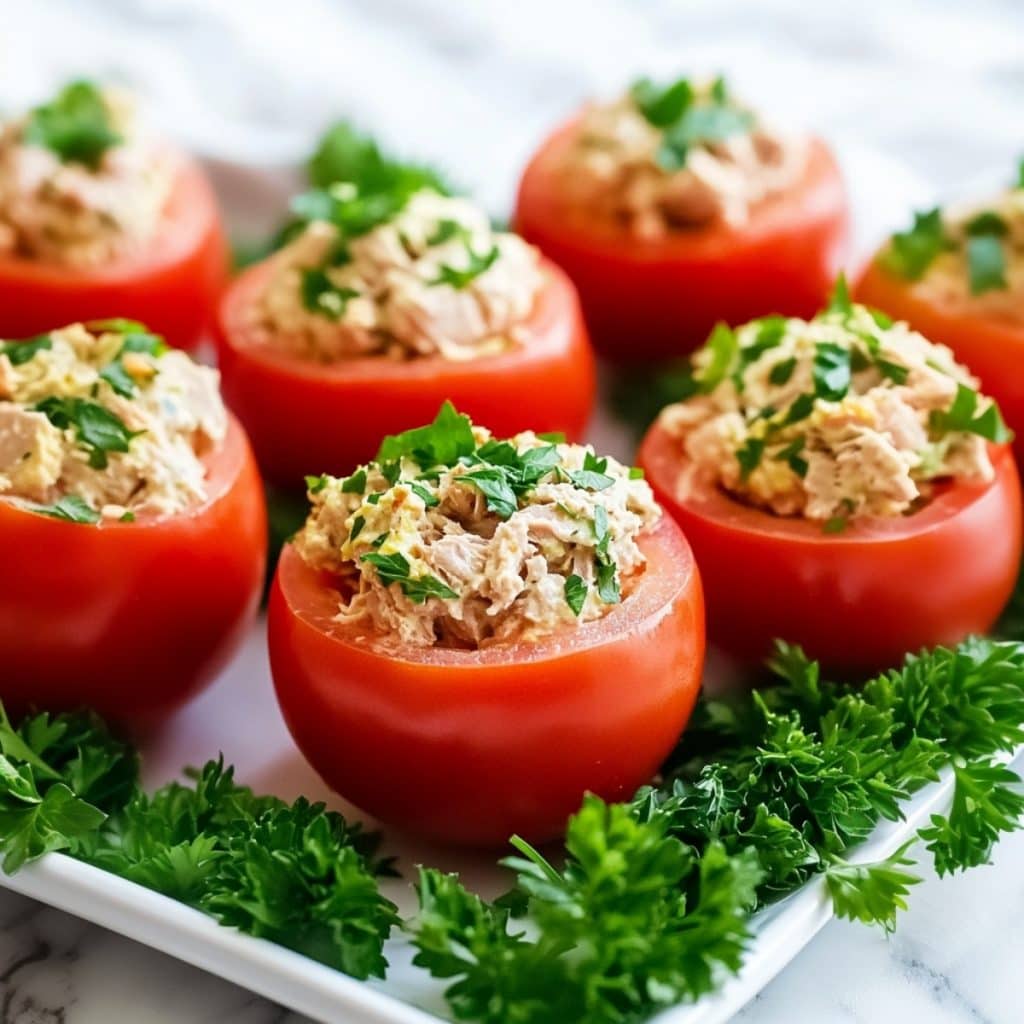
pixel 992 349
pixel 654 299
pixel 860 599
pixel 172 288
pixel 131 619
pixel 304 417
pixel 473 746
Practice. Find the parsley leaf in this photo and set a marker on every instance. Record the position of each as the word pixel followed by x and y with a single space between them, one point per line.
pixel 986 263
pixel 700 124
pixel 831 370
pixel 461 277
pixel 395 568
pixel 321 295
pixel 782 371
pixel 354 484
pixel 493 484
pixel 442 443
pixel 912 252
pixel 662 105
pixel 96 428
pixel 748 455
pixel 575 593
pixel 592 477
pixel 76 125
pixel 871 893
pixel 963 416
pixel 70 507
pixel 20 352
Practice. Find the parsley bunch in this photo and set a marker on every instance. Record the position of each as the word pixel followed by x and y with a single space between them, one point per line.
pixel 297 874
pixel 765 792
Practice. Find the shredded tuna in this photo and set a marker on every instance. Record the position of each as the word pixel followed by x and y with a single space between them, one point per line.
pixel 387 293
pixel 615 169
pixel 164 411
pixel 427 557
pixel 64 212
pixel 846 415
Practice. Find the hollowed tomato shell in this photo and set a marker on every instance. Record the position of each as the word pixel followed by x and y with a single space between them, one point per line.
pixel 472 746
pixel 651 299
pixel 172 289
pixel 131 619
pixel 305 417
pixel 990 348
pixel 858 600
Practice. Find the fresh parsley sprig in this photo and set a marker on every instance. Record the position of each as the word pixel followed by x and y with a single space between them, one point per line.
pixel 76 125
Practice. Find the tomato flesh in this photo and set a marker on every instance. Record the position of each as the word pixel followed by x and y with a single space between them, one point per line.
pixel 647 300
pixel 172 289
pixel 305 418
pixel 858 600
pixel 131 619
pixel 472 746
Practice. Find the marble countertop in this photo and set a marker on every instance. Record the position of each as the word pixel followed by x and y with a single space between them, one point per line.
pixel 938 86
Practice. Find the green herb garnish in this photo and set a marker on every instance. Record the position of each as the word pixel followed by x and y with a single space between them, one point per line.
pixel 912 252
pixel 575 593
pixel 963 416
pixel 76 125
pixel 97 429
pixel 460 277
pixel 394 568
pixel 71 507
pixel 20 352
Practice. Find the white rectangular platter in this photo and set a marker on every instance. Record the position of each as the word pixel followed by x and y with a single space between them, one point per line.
pixel 239 717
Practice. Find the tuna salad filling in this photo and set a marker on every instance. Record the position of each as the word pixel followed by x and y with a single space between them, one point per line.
pixel 102 421
pixel 676 157
pixel 372 275
pixel 80 185
pixel 846 415
pixel 969 255
pixel 453 538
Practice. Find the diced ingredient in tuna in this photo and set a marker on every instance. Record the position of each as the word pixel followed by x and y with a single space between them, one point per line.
pixel 846 415
pixel 103 421
pixel 399 277
pixel 970 255
pixel 668 158
pixel 451 537
pixel 80 185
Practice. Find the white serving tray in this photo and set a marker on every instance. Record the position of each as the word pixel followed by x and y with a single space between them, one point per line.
pixel 239 717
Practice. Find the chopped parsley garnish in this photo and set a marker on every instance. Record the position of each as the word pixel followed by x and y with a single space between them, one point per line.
pixel 662 105
pixel 20 352
pixel 748 455
pixel 76 125
pixel 321 295
pixel 71 507
pixel 782 371
pixel 354 484
pixel 460 277
pixel 1019 183
pixel 575 593
pixel 636 473
pixel 315 484
pixel 791 455
pixel 357 527
pixel 447 230
pixel 97 429
pixel 140 341
pixel 912 252
pixel 592 477
pixel 963 416
pixel 831 371
pixel 986 263
pixel 394 568
pixel 607 571
pixel 838 523
pixel 441 443
pixel 723 346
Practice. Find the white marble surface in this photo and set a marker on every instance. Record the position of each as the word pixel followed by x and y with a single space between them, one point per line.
pixel 939 86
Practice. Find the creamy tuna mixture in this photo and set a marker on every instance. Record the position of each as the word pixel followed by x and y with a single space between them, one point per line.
pixel 968 256
pixel 454 538
pixel 847 415
pixel 80 185
pixel 424 275
pixel 668 158
pixel 103 421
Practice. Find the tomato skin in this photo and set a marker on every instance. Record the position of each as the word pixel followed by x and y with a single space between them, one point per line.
pixel 172 290
pixel 305 418
pixel 992 350
pixel 131 619
pixel 472 746
pixel 857 600
pixel 655 299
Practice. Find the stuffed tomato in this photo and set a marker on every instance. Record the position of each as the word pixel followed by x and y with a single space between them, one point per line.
pixel 381 309
pixel 132 525
pixel 673 208
pixel 99 220
pixel 469 634
pixel 844 487
pixel 957 276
